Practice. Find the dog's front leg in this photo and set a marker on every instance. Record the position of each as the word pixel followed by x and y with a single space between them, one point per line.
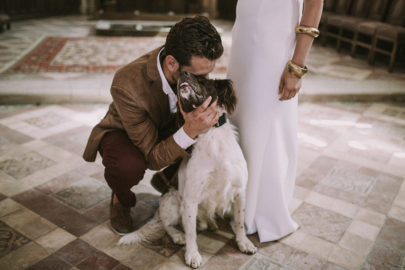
pixel 189 218
pixel 244 244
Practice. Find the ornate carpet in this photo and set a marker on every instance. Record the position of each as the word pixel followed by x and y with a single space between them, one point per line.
pixel 88 54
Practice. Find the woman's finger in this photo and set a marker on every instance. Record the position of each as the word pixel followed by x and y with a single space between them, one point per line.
pixel 281 86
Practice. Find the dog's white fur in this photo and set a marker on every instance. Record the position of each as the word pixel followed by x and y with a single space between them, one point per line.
pixel 211 182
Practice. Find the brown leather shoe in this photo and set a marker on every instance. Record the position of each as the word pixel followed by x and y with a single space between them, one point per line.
pixel 120 217
pixel 163 180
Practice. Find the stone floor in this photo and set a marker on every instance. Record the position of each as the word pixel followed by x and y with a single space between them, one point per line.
pixel 349 197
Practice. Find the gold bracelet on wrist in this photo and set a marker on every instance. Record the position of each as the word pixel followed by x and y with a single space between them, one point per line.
pixel 311 31
pixel 296 70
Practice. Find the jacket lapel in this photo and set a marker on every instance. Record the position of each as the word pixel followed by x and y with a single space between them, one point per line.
pixel 161 115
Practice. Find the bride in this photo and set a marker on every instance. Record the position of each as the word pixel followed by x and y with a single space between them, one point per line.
pixel 270 43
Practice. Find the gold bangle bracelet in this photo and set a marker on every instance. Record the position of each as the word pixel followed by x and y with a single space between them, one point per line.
pixel 296 70
pixel 311 31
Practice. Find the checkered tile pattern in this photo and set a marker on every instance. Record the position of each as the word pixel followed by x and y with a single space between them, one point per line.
pixel 349 197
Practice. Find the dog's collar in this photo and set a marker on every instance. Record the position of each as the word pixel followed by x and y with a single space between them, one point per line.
pixel 221 120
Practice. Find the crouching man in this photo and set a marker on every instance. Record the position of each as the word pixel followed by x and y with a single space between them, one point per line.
pixel 140 129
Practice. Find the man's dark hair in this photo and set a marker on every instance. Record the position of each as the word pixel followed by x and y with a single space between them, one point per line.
pixel 193 36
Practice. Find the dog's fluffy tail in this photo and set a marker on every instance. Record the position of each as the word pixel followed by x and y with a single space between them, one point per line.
pixel 151 231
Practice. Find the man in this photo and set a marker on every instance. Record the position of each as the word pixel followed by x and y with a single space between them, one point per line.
pixel 139 130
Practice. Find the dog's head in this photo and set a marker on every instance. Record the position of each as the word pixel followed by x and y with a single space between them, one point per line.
pixel 193 90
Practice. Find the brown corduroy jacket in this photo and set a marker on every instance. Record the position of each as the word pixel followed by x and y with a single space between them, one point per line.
pixel 141 109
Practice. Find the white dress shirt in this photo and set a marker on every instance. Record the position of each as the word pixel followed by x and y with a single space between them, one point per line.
pixel 180 137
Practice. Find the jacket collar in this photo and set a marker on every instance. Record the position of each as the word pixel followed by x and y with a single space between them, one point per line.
pixel 151 66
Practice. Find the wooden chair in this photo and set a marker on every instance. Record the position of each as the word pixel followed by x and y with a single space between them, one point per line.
pixel 368 27
pixel 340 7
pixel 393 31
pixel 359 11
pixel 4 22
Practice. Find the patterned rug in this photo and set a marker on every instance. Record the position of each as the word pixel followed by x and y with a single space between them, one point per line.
pixel 88 54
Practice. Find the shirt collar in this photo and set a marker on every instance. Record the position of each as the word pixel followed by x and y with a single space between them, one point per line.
pixel 165 84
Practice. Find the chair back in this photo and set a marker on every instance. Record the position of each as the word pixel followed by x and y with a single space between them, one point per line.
pixel 329 5
pixel 342 7
pixel 377 10
pixel 360 8
pixel 396 13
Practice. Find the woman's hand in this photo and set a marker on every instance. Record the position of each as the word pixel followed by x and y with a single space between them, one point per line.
pixel 289 85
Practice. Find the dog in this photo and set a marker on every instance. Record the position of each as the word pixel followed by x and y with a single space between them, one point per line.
pixel 212 182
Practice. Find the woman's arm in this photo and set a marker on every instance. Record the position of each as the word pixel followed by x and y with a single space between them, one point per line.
pixel 289 83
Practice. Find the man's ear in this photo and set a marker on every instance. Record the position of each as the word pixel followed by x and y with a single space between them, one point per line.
pixel 226 95
pixel 171 63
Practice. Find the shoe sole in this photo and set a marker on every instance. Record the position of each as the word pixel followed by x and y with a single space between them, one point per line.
pixel 117 232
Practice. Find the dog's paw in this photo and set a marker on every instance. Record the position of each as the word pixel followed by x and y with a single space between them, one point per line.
pixel 179 238
pixel 129 239
pixel 246 246
pixel 193 259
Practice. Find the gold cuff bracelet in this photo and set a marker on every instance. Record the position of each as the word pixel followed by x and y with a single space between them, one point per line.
pixel 311 31
pixel 296 70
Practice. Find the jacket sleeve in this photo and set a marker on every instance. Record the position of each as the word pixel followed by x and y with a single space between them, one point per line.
pixel 143 132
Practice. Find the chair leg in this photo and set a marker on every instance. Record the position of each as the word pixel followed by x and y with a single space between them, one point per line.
pixel 371 54
pixel 324 36
pixel 339 39
pixel 393 54
pixel 354 44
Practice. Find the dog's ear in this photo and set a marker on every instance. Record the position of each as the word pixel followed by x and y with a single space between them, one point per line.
pixel 226 95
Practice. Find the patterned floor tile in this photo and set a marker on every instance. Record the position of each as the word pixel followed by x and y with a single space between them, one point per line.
pixel 28 223
pixel 228 257
pixel 259 262
pixel 61 215
pixel 303 260
pixel 73 140
pixel 11 239
pixel 320 222
pixel 25 164
pixel 83 194
pixel 23 257
pixel 58 183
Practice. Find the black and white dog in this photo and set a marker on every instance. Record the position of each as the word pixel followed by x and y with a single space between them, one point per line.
pixel 211 182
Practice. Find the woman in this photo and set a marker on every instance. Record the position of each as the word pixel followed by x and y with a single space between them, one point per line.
pixel 270 44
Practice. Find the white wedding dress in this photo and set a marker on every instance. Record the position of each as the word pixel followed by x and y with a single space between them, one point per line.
pixel 263 40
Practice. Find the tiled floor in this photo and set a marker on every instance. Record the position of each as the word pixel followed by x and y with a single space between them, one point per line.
pixel 349 197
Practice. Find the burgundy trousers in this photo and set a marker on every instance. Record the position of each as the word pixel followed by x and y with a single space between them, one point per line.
pixel 124 165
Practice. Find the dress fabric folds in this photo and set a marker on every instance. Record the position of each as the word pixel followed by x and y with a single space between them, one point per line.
pixel 263 41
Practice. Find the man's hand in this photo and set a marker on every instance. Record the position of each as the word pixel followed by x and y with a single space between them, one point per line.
pixel 201 119
pixel 289 85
